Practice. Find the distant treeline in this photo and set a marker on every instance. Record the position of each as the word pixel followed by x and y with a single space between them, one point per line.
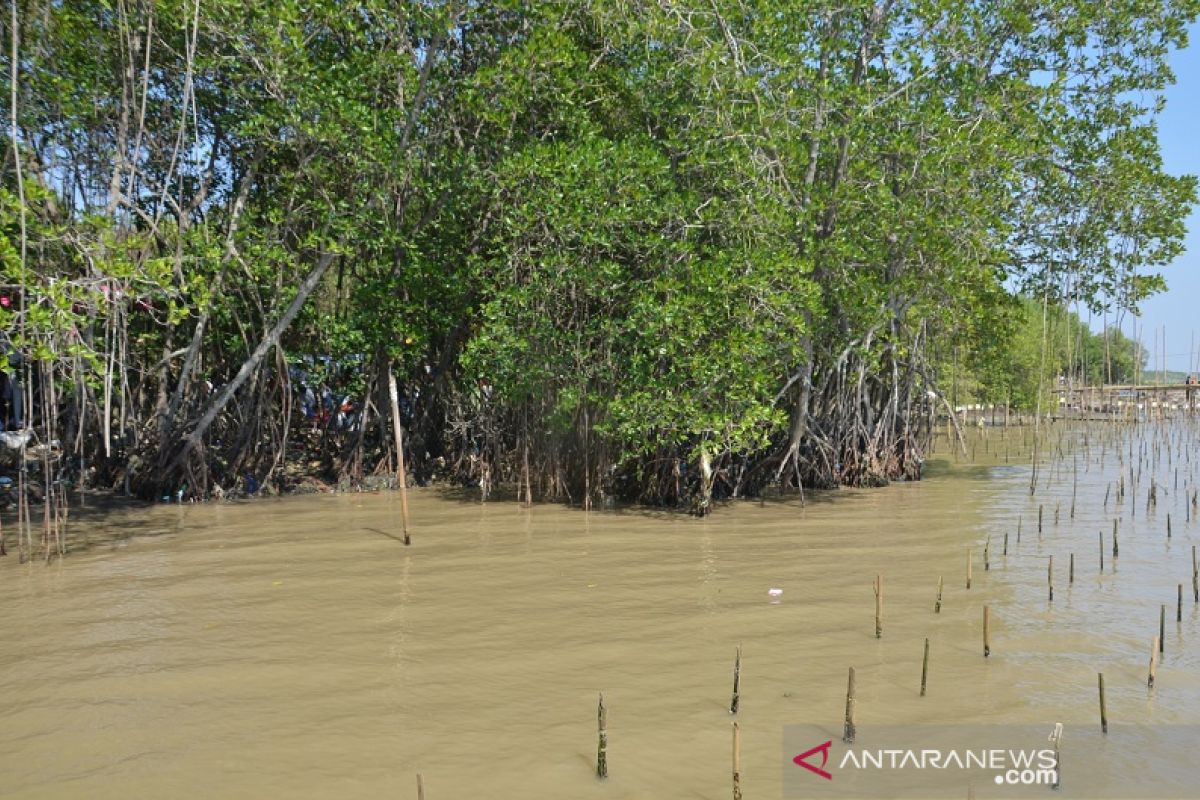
pixel 659 251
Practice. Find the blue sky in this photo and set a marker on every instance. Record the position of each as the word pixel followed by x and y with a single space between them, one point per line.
pixel 1179 307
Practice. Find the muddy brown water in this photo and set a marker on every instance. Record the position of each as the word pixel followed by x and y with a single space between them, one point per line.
pixel 295 648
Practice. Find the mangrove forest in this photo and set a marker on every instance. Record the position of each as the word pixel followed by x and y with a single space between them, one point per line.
pixel 661 252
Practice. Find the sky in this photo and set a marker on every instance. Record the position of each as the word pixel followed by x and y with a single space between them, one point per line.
pixel 1179 132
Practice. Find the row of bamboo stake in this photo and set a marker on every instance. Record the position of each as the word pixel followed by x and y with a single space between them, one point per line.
pixel 849 730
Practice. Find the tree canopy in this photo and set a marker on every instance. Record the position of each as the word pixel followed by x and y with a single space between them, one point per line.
pixel 662 251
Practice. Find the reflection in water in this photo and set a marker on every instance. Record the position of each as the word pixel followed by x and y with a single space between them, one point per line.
pixel 286 648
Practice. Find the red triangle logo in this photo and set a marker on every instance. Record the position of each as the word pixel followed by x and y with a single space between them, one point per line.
pixel 824 750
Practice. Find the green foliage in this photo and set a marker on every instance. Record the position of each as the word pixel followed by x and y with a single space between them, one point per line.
pixel 656 228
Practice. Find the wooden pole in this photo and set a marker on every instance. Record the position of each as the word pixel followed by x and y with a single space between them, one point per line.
pixel 420 787
pixel 1103 711
pixel 925 667
pixel 1056 737
pixel 1179 605
pixel 1162 628
pixel 937 606
pixel 1102 551
pixel 737 762
pixel 1195 578
pixel 1153 662
pixel 602 736
pixel 1006 543
pixel 1040 509
pixel 878 606
pixel 987 629
pixel 737 681
pixel 848 731
pixel 968 569
pixel 398 432
pixel 1071 571
pixel 1050 578
pixel 987 549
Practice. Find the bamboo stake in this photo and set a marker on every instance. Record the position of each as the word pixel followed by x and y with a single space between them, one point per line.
pixel 737 680
pixel 602 736
pixel 1162 628
pixel 1195 578
pixel 1103 712
pixel 1179 605
pixel 1101 551
pixel 848 731
pixel 737 762
pixel 1071 573
pixel 1050 578
pixel 924 667
pixel 878 606
pixel 398 432
pixel 1153 662
pixel 1056 737
pixel 987 628
pixel 937 606
pixel 1040 509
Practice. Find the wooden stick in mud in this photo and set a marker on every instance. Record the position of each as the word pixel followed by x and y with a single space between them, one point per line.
pixel 1116 547
pixel 1071 571
pixel 602 737
pixel 987 548
pixel 1162 628
pixel 1153 663
pixel 878 606
pixel 937 606
pixel 925 667
pixel 1050 578
pixel 1103 711
pixel 968 569
pixel 1179 605
pixel 1006 543
pixel 737 762
pixel 401 473
pixel 1040 509
pixel 1018 530
pixel 987 631
pixel 1168 526
pixel 420 787
pixel 737 681
pixel 1102 551
pixel 848 731
pixel 1195 578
